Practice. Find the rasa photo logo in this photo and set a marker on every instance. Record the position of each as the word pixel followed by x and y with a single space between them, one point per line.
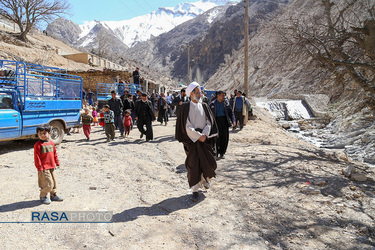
pixel 72 217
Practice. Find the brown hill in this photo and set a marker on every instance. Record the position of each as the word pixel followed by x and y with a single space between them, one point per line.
pixel 40 49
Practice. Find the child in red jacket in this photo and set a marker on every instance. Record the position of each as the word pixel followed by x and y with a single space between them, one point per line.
pixel 128 124
pixel 45 158
pixel 101 118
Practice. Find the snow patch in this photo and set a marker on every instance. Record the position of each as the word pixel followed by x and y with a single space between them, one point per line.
pixel 286 110
pixel 142 28
pixel 212 16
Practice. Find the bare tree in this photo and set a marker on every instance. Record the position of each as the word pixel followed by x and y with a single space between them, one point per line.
pixel 340 36
pixel 103 42
pixel 28 13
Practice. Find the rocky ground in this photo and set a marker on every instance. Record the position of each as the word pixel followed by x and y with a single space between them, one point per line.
pixel 273 191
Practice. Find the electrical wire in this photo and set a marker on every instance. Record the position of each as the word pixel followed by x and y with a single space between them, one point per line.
pixel 123 3
pixel 141 6
pixel 151 8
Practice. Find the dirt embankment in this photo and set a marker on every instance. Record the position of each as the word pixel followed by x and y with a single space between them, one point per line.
pixel 272 191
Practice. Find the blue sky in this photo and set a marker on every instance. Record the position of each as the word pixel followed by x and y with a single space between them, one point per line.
pixel 116 10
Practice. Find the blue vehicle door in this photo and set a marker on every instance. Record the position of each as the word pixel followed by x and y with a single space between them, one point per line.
pixel 10 118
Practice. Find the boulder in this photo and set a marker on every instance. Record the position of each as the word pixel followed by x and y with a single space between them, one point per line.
pixel 370 158
pixel 303 128
pixel 310 190
pixel 341 156
pixel 359 177
pixel 349 171
pixel 319 182
pixel 286 126
pixel 357 195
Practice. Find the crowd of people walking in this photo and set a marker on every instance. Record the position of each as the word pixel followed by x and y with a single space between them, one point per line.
pixel 202 123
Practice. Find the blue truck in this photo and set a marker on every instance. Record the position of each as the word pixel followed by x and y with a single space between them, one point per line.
pixel 32 94
pixel 103 91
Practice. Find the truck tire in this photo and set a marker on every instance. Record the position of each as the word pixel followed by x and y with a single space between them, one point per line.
pixel 57 132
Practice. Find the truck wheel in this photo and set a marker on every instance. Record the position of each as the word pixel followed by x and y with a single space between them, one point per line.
pixel 57 132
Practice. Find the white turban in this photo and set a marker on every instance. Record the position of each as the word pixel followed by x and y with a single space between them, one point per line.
pixel 191 87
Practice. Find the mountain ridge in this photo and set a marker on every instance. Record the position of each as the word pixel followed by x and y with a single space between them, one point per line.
pixel 209 40
pixel 142 28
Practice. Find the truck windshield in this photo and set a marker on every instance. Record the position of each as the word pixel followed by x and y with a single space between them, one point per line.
pixel 6 101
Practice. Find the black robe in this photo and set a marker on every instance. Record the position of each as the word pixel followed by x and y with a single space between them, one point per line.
pixel 200 157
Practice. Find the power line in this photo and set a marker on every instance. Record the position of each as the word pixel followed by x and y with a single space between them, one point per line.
pixel 139 5
pixel 127 7
pixel 151 8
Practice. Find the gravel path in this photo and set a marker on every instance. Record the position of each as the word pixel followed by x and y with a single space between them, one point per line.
pixel 263 196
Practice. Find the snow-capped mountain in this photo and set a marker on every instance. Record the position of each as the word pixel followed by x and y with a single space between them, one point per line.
pixel 142 28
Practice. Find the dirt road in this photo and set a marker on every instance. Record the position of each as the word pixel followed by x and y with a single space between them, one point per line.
pixel 263 196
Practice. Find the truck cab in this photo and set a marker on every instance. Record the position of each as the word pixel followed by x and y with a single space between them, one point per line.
pixel 32 94
pixel 9 114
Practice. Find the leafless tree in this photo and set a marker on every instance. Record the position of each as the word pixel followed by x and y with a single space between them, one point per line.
pixel 103 43
pixel 340 36
pixel 28 13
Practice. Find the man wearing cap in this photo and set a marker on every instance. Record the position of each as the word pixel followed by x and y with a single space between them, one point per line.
pixel 196 129
pixel 144 115
pixel 116 106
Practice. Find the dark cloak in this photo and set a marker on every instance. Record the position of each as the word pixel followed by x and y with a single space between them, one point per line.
pixel 200 155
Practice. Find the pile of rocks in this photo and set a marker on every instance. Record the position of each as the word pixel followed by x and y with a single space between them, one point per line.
pixel 354 174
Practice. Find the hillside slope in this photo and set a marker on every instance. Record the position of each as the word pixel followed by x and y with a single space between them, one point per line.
pixel 47 51
pixel 278 73
pixel 41 49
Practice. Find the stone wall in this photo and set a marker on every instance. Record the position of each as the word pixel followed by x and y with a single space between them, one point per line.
pixel 90 79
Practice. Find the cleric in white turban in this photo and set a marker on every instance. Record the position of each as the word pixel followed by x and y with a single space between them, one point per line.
pixel 196 129
pixel 191 87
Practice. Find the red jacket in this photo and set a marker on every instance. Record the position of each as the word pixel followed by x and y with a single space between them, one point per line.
pixel 127 121
pixel 101 119
pixel 45 156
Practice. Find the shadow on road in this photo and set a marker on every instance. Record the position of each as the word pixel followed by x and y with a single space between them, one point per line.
pixel 181 169
pixel 17 145
pixel 19 205
pixel 162 208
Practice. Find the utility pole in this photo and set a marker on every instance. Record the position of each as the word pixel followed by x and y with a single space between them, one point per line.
pixel 246 75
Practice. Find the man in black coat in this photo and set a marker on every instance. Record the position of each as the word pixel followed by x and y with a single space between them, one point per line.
pixel 144 115
pixel 115 104
pixel 136 76
pixel 127 102
pixel 179 100
pixel 163 109
pixel 137 96
pixel 224 117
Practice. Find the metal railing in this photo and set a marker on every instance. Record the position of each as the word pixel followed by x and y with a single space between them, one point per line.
pixel 37 82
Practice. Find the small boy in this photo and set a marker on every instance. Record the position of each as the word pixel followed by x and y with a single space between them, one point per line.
pixel 127 122
pixel 45 158
pixel 86 123
pixel 109 119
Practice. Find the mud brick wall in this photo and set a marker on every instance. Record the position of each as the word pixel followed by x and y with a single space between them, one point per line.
pixel 90 79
